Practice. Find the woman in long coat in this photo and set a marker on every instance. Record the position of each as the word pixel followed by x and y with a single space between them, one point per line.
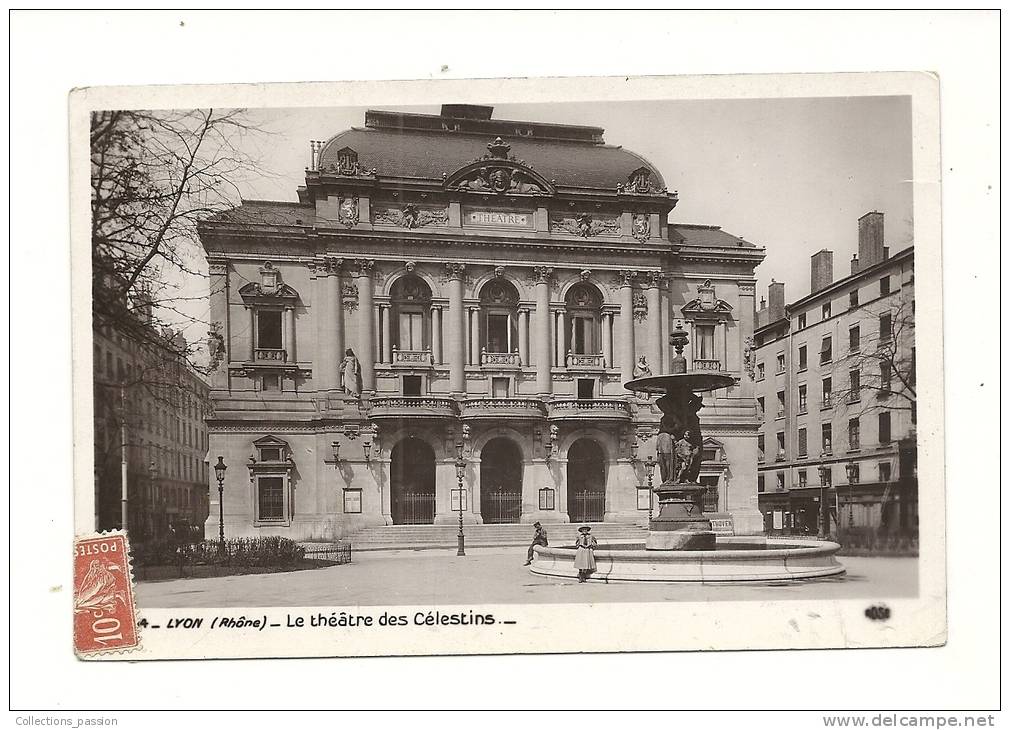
pixel 585 561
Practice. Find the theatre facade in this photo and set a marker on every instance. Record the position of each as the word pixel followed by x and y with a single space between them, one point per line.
pixel 456 286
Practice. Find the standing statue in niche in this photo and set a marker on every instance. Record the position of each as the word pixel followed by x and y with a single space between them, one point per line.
pixel 678 445
pixel 642 368
pixel 350 374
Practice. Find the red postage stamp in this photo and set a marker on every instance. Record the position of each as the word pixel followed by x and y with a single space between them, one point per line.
pixel 105 617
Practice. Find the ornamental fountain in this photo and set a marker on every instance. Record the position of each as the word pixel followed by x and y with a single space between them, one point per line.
pixel 681 545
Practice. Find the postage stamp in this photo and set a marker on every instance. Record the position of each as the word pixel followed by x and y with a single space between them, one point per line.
pixel 105 617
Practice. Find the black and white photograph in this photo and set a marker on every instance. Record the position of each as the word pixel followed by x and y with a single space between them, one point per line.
pixel 500 354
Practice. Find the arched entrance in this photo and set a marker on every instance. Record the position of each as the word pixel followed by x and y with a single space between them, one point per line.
pixel 412 483
pixel 501 481
pixel 587 482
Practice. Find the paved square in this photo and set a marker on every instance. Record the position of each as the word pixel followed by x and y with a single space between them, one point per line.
pixel 497 575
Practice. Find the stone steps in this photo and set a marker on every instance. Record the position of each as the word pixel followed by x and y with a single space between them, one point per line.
pixel 419 537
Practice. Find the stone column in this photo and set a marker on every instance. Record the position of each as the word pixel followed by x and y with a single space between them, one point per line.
pixel 608 350
pixel 321 368
pixel 655 340
pixel 474 336
pixel 436 333
pixel 219 306
pixel 387 343
pixel 542 349
pixel 664 325
pixel 289 335
pixel 335 312
pixel 626 348
pixel 524 337
pixel 559 338
pixel 455 336
pixel 366 325
pixel 252 334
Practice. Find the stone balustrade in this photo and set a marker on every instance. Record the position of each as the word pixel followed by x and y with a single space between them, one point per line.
pixel 500 359
pixel 412 358
pixel 523 408
pixel 707 364
pixel 411 407
pixel 263 354
pixel 590 409
pixel 578 361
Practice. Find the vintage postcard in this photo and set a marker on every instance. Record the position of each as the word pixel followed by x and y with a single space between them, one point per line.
pixel 491 367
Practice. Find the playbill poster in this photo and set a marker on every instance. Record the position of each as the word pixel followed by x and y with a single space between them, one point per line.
pixel 538 365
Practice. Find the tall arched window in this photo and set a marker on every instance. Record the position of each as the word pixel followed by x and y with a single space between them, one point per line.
pixel 411 302
pixel 583 304
pixel 499 319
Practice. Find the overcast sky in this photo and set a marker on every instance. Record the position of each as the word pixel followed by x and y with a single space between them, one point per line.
pixel 792 175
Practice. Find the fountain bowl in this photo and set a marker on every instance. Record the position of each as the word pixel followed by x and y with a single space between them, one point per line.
pixel 741 559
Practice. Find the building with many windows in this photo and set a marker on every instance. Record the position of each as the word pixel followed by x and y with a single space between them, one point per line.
pixel 456 288
pixel 835 387
pixel 151 406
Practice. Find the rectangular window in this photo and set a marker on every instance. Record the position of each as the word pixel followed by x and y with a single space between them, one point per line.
pixel 268 329
pixel 802 356
pixel 760 371
pixel 780 441
pixel 826 350
pixel 853 472
pixel 801 321
pixel 780 481
pixel 582 335
pixel 853 386
pixel 885 327
pixel 499 387
pixel 802 394
pixel 780 362
pixel 826 438
pixel 853 434
pixel 826 393
pixel 884 470
pixel 761 447
pixel 271 383
pixel 761 482
pixel 825 474
pixel 853 299
pixel 412 386
pixel 761 408
pixel 885 285
pixel 801 478
pixel 884 427
pixel 825 310
pixel 706 341
pixel 497 333
pixel 885 377
pixel 585 388
pixel 412 331
pixel 854 338
pixel 271 498
pixel 801 442
pixel 781 409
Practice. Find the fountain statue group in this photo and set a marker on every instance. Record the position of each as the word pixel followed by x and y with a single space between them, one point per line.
pixel 678 445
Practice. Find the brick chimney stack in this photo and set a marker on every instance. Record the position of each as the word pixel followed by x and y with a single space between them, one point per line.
pixel 821 270
pixel 854 264
pixel 776 301
pixel 871 239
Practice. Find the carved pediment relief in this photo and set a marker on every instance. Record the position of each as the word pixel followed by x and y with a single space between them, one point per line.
pixel 707 304
pixel 498 172
pixel 268 288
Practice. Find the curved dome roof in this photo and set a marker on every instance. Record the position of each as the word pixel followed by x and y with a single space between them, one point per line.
pixel 432 154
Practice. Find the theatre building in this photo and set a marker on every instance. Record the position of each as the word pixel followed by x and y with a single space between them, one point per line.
pixel 497 283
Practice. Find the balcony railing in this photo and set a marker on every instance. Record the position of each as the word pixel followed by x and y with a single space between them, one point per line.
pixel 412 358
pixel 591 409
pixel 501 408
pixel 852 396
pixel 500 359
pixel 707 364
pixel 270 354
pixel 412 407
pixel 580 361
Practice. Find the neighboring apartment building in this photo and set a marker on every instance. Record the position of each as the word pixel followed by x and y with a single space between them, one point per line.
pixel 835 385
pixel 497 283
pixel 164 403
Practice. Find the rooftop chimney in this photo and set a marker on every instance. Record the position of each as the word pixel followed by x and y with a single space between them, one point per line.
pixel 776 301
pixel 467 111
pixel 854 264
pixel 821 270
pixel 871 239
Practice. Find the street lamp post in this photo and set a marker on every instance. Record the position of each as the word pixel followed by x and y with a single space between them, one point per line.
pixel 219 469
pixel 461 495
pixel 650 468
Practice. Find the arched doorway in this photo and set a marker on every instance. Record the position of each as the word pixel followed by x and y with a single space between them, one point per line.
pixel 501 482
pixel 587 482
pixel 412 483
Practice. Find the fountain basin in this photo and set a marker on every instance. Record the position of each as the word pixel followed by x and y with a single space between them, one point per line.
pixel 734 560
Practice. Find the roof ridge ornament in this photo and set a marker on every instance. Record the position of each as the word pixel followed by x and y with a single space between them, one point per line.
pixel 499 149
